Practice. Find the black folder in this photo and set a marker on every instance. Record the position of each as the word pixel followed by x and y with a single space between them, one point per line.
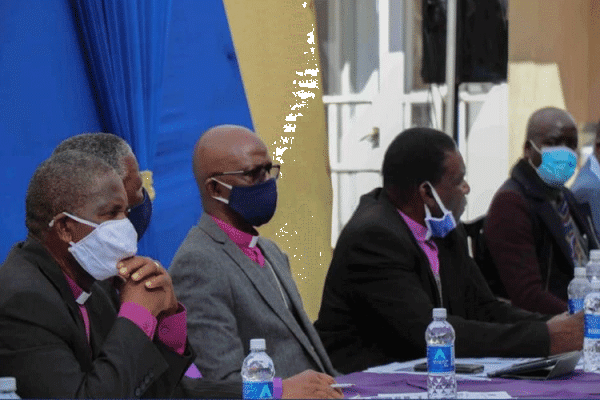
pixel 541 369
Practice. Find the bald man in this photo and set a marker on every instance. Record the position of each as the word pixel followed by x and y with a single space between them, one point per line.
pixel 237 285
pixel 535 231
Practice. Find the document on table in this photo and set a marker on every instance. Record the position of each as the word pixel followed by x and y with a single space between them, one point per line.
pixel 490 364
pixel 423 395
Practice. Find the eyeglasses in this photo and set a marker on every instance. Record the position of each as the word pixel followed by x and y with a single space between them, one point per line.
pixel 260 173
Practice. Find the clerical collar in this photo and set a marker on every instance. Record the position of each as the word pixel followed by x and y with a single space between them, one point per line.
pixel 80 296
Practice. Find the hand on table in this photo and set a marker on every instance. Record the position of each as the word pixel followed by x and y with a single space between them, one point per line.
pixel 148 284
pixel 566 332
pixel 310 385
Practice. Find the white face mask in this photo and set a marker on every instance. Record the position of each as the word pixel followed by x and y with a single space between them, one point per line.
pixel 101 250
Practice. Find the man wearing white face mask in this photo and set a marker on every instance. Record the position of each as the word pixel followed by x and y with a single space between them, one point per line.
pixel 402 254
pixel 535 231
pixel 62 334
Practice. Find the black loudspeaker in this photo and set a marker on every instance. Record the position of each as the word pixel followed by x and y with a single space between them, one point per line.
pixel 482 41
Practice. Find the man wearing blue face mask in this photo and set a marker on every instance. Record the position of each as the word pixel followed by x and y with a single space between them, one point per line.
pixel 237 285
pixel 535 231
pixel 402 254
pixel 118 154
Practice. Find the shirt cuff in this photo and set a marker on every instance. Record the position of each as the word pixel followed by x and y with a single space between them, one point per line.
pixel 277 388
pixel 193 372
pixel 140 316
pixel 172 330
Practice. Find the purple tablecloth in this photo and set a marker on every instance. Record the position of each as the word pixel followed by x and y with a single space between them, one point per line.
pixel 576 385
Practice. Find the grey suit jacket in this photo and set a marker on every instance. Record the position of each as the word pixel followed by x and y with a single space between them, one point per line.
pixel 228 303
pixel 586 189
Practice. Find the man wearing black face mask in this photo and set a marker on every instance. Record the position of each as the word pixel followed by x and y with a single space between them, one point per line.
pixel 402 254
pixel 535 230
pixel 236 285
pixel 118 154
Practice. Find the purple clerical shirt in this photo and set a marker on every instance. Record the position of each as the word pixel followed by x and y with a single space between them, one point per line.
pixel 428 246
pixel 245 241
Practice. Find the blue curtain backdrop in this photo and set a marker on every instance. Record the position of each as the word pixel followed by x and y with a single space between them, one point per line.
pixel 125 45
pixel 47 94
pixel 45 97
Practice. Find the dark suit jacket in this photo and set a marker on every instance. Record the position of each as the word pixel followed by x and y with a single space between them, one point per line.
pixel 380 291
pixel 229 302
pixel 524 234
pixel 43 342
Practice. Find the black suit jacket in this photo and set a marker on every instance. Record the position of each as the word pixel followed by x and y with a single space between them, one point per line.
pixel 43 342
pixel 380 291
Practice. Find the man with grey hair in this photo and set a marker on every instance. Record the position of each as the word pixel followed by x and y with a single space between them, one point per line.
pixel 118 154
pixel 64 329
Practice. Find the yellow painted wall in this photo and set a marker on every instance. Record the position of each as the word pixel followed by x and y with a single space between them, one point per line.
pixel 554 54
pixel 271 38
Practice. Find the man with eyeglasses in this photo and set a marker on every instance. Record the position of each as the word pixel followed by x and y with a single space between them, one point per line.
pixel 237 285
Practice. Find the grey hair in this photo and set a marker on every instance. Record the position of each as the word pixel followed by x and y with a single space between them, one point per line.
pixel 110 148
pixel 64 182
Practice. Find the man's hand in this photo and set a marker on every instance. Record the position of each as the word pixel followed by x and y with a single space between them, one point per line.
pixel 149 285
pixel 310 385
pixel 566 332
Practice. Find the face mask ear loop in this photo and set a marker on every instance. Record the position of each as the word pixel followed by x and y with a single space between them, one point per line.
pixel 221 199
pixel 80 220
pixel 224 184
pixel 437 198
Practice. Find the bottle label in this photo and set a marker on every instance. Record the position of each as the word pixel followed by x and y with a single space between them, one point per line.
pixel 440 358
pixel 592 326
pixel 258 390
pixel 575 305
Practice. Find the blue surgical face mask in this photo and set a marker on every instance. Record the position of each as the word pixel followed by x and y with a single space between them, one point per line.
pixel 558 164
pixel 438 227
pixel 141 214
pixel 256 204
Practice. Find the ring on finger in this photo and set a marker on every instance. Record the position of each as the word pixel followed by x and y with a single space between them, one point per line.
pixel 158 268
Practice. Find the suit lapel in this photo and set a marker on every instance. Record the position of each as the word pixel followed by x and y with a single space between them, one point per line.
pixel 55 275
pixel 300 325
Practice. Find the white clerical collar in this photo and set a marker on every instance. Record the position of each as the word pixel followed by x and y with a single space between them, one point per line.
pixel 83 298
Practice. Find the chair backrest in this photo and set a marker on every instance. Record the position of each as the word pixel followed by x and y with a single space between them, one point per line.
pixel 483 258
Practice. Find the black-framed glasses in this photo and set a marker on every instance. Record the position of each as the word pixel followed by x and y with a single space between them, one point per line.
pixel 262 172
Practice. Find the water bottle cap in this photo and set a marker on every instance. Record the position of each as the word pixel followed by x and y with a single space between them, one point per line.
pixel 439 313
pixel 258 344
pixel 8 384
pixel 595 255
pixel 595 284
pixel 579 271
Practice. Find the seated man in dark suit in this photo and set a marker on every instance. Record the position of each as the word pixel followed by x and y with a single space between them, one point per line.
pixel 535 230
pixel 64 329
pixel 237 285
pixel 401 255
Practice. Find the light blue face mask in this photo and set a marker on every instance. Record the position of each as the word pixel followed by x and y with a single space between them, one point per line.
pixel 438 227
pixel 558 164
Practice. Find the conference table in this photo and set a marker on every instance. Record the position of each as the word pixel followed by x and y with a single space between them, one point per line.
pixel 410 385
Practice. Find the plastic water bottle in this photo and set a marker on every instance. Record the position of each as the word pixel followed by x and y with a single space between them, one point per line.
pixel 593 266
pixel 441 377
pixel 8 388
pixel 591 332
pixel 578 289
pixel 258 372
